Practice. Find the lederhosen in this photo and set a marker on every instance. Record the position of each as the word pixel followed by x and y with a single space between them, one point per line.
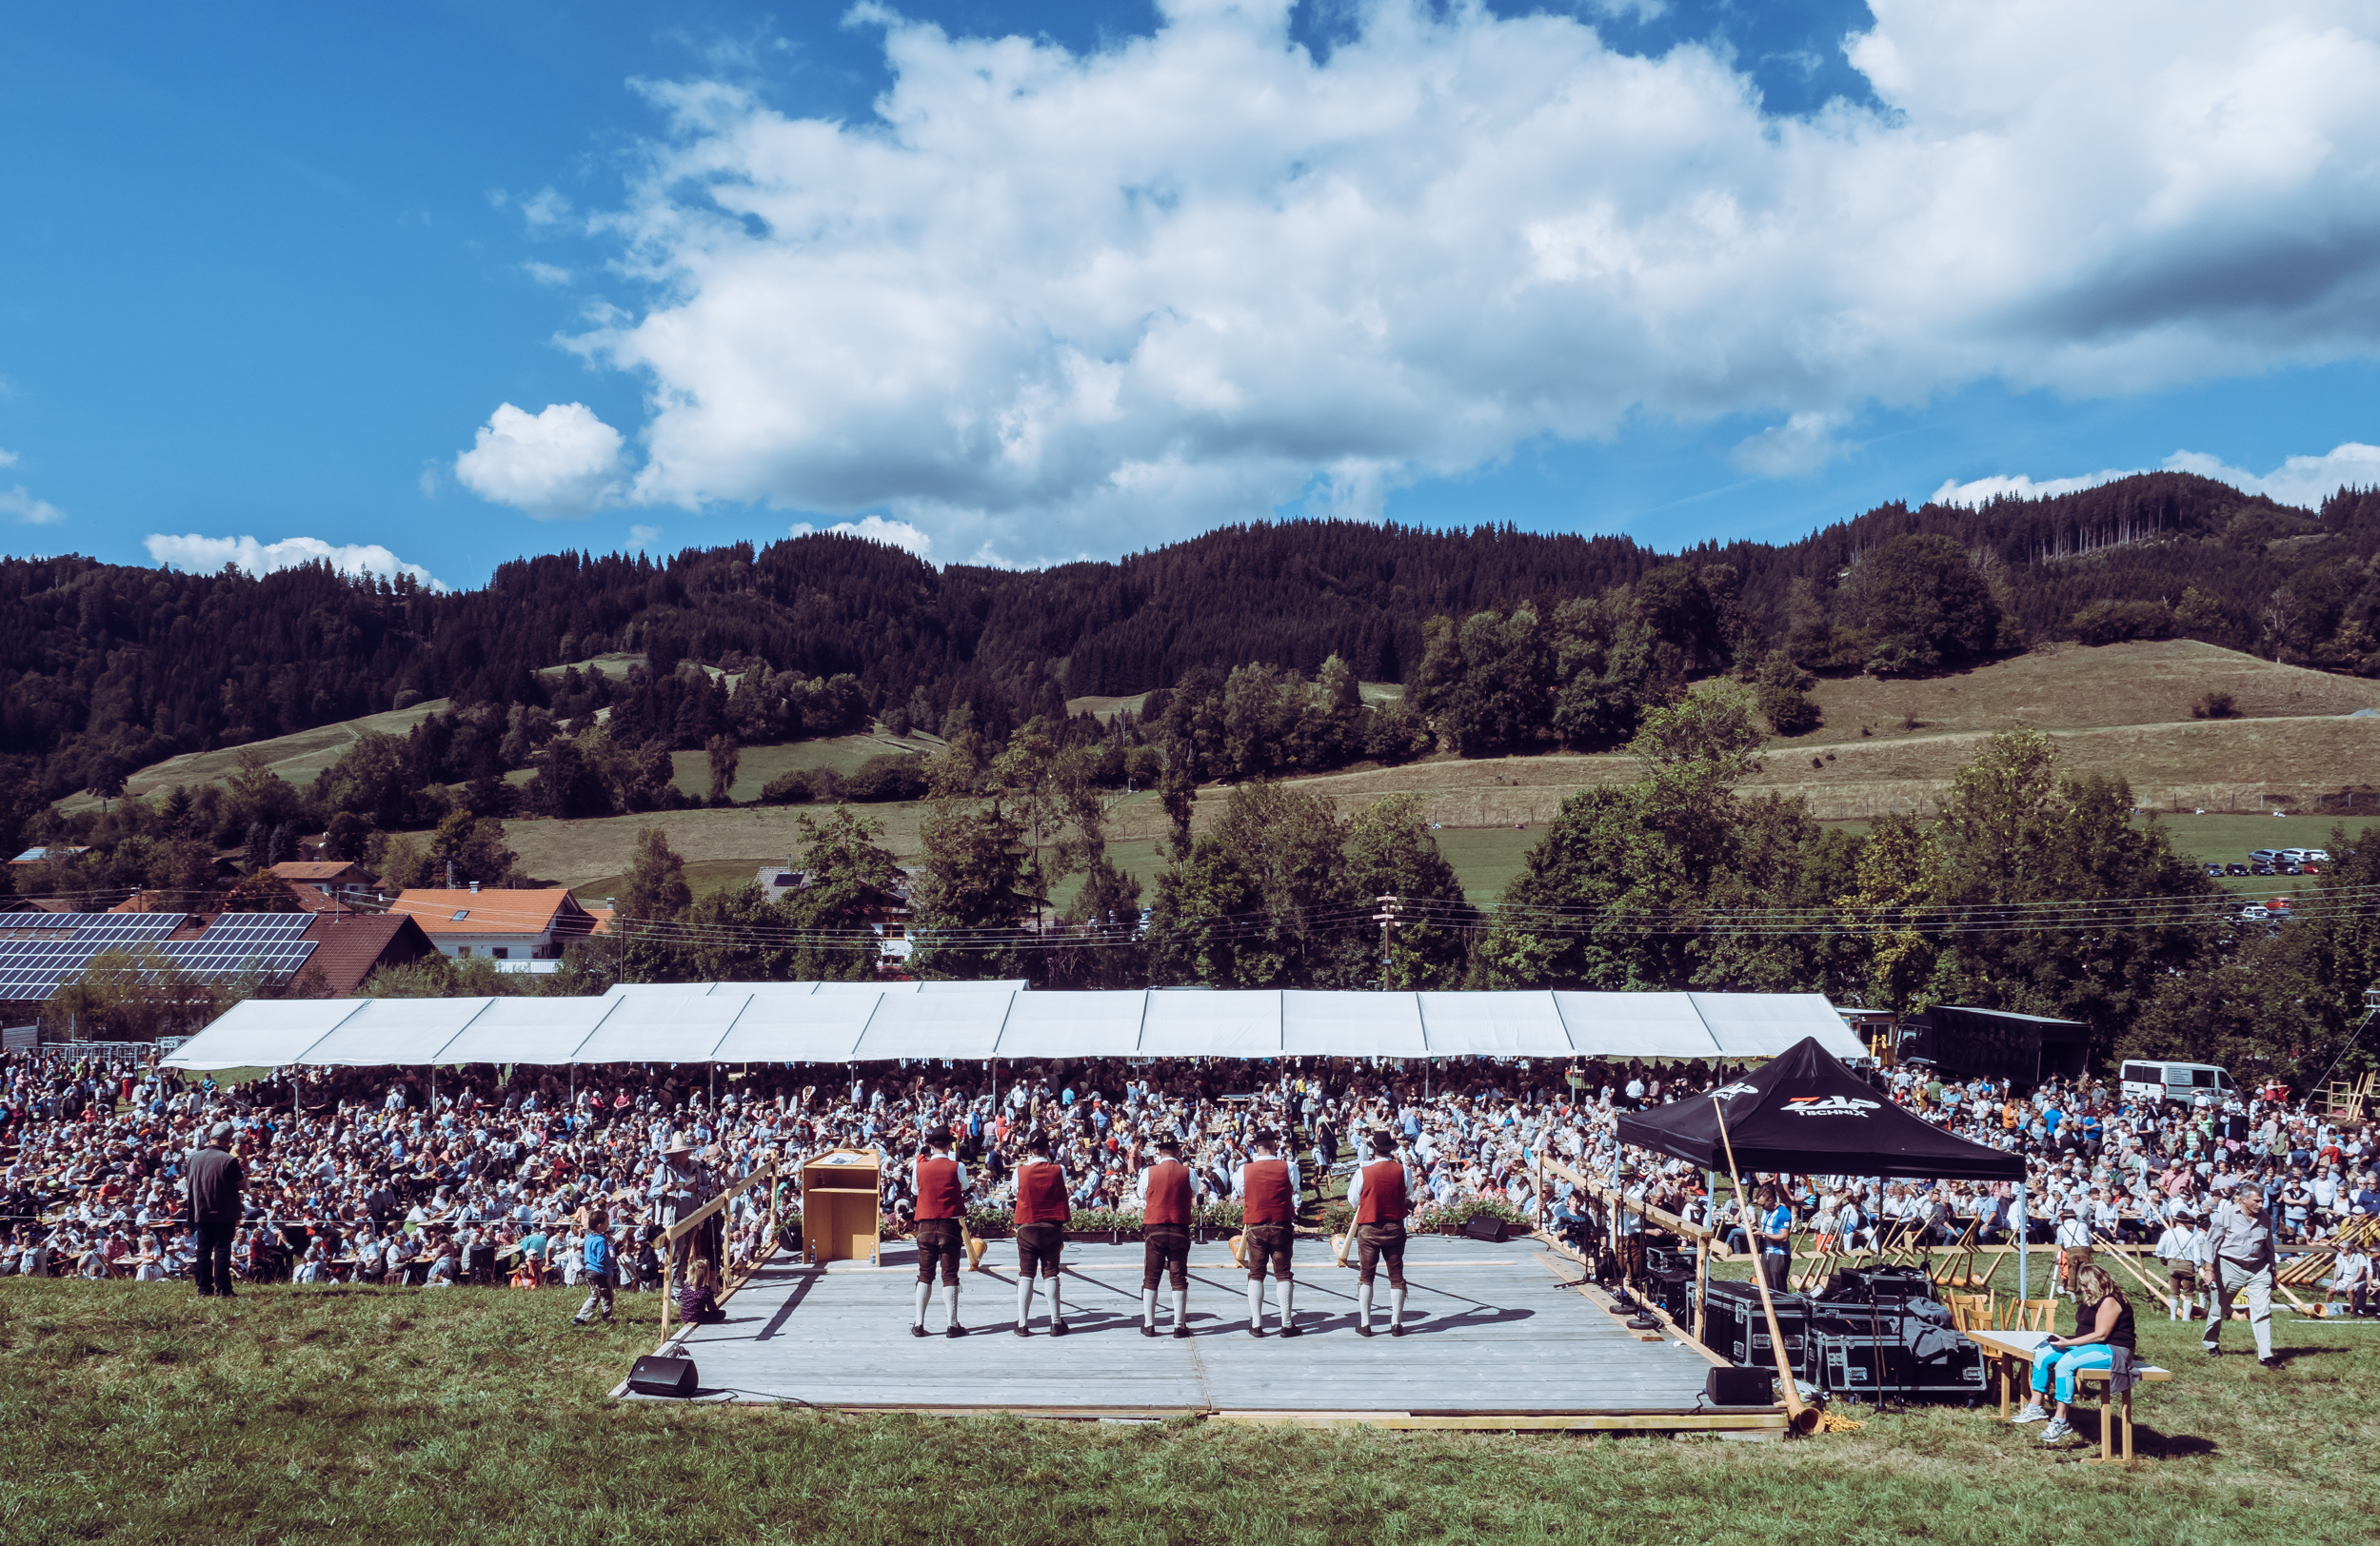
pixel 1381 1221
pixel 1268 1216
pixel 1165 1225
pixel 941 1207
pixel 1042 1215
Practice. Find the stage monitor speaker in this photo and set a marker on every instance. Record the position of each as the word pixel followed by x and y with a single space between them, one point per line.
pixel 663 1376
pixel 1485 1227
pixel 1739 1387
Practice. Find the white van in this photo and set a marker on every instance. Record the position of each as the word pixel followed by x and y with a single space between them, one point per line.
pixel 2182 1082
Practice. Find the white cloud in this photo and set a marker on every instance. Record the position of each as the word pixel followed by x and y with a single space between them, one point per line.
pixel 545 273
pixel 2305 481
pixel 204 555
pixel 18 503
pixel 545 207
pixel 1046 297
pixel 1802 444
pixel 2017 486
pixel 641 538
pixel 558 461
pixel 876 530
pixel 27 510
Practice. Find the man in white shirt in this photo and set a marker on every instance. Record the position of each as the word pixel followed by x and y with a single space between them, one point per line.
pixel 2178 1249
pixel 2350 1275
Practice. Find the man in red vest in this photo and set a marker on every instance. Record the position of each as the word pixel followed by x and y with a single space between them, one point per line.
pixel 1042 1215
pixel 1383 1198
pixel 1168 1193
pixel 941 1186
pixel 1269 1190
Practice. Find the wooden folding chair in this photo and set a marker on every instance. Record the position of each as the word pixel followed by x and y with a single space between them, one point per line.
pixel 2031 1315
pixel 1958 1265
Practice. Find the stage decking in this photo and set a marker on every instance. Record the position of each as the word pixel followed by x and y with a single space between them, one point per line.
pixel 1495 1338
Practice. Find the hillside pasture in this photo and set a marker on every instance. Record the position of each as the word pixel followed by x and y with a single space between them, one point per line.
pixel 756 766
pixel 296 757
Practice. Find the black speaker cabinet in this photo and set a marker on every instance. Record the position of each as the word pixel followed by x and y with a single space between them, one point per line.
pixel 1739 1387
pixel 663 1376
pixel 1484 1226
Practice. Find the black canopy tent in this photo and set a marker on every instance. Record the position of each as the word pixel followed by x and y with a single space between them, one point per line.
pixel 1805 1113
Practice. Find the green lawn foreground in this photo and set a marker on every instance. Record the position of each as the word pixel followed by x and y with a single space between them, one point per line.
pixel 137 1413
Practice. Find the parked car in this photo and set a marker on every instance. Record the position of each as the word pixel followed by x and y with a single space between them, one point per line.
pixel 2320 856
pixel 2290 866
pixel 2255 912
pixel 2263 856
pixel 2278 904
pixel 2262 868
pixel 2311 869
pixel 2215 869
pixel 2234 869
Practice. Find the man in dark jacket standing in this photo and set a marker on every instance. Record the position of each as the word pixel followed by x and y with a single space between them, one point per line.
pixel 214 1193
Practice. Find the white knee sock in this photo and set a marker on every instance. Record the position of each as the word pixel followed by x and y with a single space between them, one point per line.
pixel 1181 1307
pixel 1363 1305
pixel 1283 1289
pixel 926 1290
pixel 1025 1299
pixel 1057 1310
pixel 950 1302
pixel 1395 1306
pixel 1255 1304
pixel 1148 1308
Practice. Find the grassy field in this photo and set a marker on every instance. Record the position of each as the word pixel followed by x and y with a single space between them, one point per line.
pixel 296 757
pixel 135 1412
pixel 756 766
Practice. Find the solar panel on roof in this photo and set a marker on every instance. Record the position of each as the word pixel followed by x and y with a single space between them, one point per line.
pixel 266 944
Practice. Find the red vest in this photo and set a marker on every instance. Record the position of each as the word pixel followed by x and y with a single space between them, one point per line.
pixel 937 1189
pixel 1169 1194
pixel 1383 1201
pixel 1042 1195
pixel 1269 1201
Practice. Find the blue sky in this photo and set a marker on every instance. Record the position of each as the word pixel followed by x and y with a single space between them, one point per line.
pixel 1018 281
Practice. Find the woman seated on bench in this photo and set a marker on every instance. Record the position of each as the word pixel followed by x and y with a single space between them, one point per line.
pixel 2100 1305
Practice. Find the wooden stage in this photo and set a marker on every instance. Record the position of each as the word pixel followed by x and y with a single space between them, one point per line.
pixel 1496 1337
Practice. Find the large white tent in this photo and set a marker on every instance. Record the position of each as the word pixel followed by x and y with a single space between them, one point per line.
pixel 742 1023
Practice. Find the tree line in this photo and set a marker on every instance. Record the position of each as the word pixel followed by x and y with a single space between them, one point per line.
pixel 106 668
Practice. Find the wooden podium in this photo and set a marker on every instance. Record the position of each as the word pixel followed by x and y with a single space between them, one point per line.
pixel 840 1207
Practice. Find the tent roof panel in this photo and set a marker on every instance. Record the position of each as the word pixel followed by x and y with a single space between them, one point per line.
pixel 1765 1025
pixel 793 1028
pixel 964 1025
pixel 1349 1024
pixel 400 1032
pixel 1227 1023
pixel 1636 1025
pixel 662 1030
pixel 1091 1024
pixel 1494 1025
pixel 263 1033
pixel 528 1031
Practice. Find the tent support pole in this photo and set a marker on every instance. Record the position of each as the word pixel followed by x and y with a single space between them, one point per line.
pixel 1804 1419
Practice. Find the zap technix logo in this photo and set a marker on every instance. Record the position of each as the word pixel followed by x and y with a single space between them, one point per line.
pixel 1830 1105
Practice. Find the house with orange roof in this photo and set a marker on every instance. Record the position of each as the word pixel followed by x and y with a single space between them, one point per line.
pixel 500 925
pixel 328 877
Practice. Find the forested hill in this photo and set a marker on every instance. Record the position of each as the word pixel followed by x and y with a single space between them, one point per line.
pixel 108 665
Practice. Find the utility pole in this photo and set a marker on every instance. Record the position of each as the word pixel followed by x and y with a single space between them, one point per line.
pixel 1386 918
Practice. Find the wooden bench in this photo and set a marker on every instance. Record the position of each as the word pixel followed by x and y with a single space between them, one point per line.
pixel 2005 1350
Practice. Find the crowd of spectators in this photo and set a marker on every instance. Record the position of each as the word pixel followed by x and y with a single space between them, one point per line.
pixel 485 1177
